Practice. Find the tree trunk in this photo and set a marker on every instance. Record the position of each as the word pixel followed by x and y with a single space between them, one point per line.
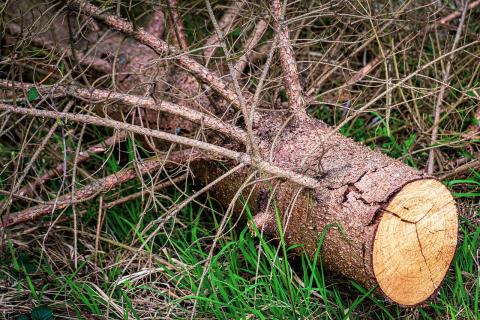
pixel 379 221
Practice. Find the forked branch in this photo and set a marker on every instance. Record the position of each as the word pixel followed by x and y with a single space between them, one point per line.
pixel 160 47
pixel 102 96
pixel 241 157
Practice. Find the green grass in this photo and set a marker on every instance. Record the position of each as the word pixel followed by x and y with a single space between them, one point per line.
pixel 248 276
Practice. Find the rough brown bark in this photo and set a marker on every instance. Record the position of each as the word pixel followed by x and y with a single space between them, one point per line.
pixel 357 187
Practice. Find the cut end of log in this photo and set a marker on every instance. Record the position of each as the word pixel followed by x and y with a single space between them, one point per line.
pixel 415 242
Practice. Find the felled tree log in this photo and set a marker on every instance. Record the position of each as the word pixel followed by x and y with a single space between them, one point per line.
pixel 378 221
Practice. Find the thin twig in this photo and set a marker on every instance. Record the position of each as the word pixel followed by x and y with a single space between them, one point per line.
pixel 32 160
pixel 160 47
pixel 225 23
pixel 255 37
pixel 82 157
pixel 399 83
pixel 74 185
pixel 246 112
pixel 458 13
pixel 99 226
pixel 219 232
pixel 138 194
pixel 441 94
pixel 318 82
pixel 472 165
pixel 93 189
pixel 364 71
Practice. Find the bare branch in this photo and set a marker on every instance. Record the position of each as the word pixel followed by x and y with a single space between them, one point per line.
pixel 288 62
pixel 160 47
pixel 255 37
pixel 399 83
pixel 34 157
pixel 100 96
pixel 456 14
pixel 472 165
pixel 246 112
pixel 138 194
pixel 95 120
pixel 180 35
pixel 97 187
pixel 82 157
pixel 224 24
pixel 244 158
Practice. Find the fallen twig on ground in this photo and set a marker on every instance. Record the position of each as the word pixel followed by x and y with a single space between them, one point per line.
pixel 93 189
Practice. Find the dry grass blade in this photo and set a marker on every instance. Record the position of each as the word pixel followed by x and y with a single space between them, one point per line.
pixel 459 13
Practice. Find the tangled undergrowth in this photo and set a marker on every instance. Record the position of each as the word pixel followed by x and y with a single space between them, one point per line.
pixel 402 77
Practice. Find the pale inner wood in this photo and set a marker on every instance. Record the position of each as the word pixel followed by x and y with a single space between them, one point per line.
pixel 415 242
